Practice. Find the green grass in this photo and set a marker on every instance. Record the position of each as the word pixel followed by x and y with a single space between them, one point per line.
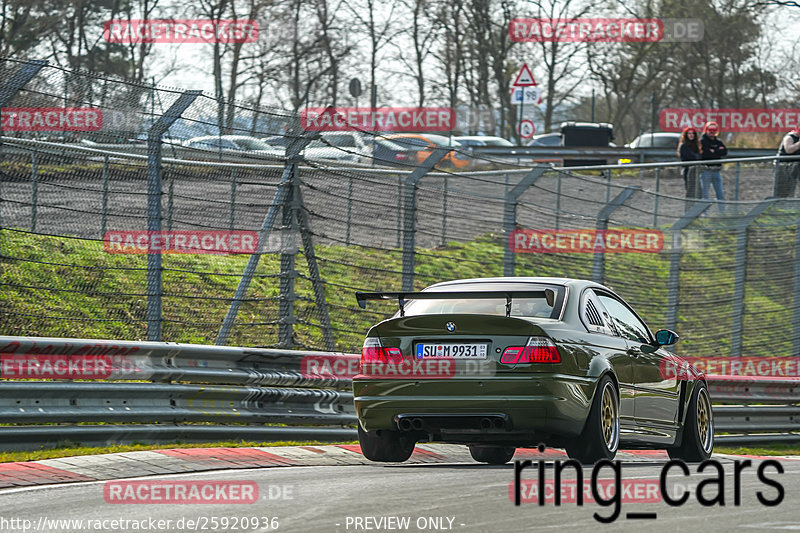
pixel 774 449
pixel 71 451
pixel 65 287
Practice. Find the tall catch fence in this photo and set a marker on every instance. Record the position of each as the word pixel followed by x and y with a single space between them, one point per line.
pixel 286 233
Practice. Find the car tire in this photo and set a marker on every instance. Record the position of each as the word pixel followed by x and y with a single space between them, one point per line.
pixel 493 455
pixel 600 436
pixel 698 430
pixel 385 446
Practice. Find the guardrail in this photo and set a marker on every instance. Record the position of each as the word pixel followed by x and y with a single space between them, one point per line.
pixel 527 154
pixel 100 391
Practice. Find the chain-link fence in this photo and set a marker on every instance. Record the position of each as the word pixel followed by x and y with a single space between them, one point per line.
pixel 118 222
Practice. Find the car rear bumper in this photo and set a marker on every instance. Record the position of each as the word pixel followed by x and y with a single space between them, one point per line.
pixel 529 404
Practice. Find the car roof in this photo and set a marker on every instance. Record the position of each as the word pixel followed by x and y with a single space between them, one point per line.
pixel 522 279
pixel 661 134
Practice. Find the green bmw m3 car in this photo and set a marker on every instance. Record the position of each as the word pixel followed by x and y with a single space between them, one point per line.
pixel 502 363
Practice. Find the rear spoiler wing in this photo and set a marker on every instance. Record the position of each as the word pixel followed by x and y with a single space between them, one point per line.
pixel 403 297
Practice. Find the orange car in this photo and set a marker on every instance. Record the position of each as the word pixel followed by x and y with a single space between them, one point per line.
pixel 423 145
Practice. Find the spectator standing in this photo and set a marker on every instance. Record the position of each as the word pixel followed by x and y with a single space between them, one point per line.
pixel 788 172
pixel 689 150
pixel 712 149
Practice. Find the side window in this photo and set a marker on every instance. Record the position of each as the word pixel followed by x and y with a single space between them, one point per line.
pixel 627 323
pixel 591 313
pixel 645 141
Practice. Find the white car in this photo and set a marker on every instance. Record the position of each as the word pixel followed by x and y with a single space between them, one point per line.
pixel 343 146
pixel 237 145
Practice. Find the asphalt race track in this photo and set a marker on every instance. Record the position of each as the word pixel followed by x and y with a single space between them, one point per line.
pixel 441 491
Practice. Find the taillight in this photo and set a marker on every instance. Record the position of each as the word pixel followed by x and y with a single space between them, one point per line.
pixel 538 350
pixel 374 352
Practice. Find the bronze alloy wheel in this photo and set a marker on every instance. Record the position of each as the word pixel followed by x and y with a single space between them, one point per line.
pixel 609 417
pixel 705 420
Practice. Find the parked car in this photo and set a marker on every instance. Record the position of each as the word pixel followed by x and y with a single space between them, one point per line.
pixel 500 363
pixel 228 142
pixel 344 146
pixel 659 139
pixel 546 140
pixel 482 140
pixel 389 153
pixel 422 145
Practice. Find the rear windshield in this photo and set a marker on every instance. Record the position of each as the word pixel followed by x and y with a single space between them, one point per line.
pixel 547 306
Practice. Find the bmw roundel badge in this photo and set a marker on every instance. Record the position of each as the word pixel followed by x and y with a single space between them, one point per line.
pixel 451 326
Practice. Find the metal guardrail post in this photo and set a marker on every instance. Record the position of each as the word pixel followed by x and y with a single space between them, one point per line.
pixel 410 213
pixel 154 134
pixel 598 269
pixel 510 213
pixel 740 273
pixel 673 284
pixel 296 145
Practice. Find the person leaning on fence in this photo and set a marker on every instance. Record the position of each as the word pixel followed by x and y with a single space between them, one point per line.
pixel 788 172
pixel 711 149
pixel 689 150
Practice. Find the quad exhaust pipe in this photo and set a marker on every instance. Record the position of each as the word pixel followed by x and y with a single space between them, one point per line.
pixel 484 423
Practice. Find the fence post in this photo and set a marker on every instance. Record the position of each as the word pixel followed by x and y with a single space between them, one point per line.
pixel 293 149
pixel 740 273
pixel 510 214
pixel 673 285
pixel 288 274
pixel 154 134
pixel 7 91
pixel 34 187
pixel 655 197
pixel 444 211
pixel 410 213
pixel 796 300
pixel 232 214
pixel 313 269
pixel 349 209
pixel 170 201
pixel 558 199
pixel 598 270
pixel 104 218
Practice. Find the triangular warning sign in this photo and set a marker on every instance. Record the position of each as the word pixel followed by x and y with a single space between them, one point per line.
pixel 524 78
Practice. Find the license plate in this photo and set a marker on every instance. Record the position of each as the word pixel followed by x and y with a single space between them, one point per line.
pixel 454 350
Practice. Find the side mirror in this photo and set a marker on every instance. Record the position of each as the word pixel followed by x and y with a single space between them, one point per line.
pixel 666 337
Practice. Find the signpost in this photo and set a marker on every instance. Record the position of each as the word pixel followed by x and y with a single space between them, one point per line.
pixel 523 80
pixel 527 95
pixel 526 129
pixel 355 89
